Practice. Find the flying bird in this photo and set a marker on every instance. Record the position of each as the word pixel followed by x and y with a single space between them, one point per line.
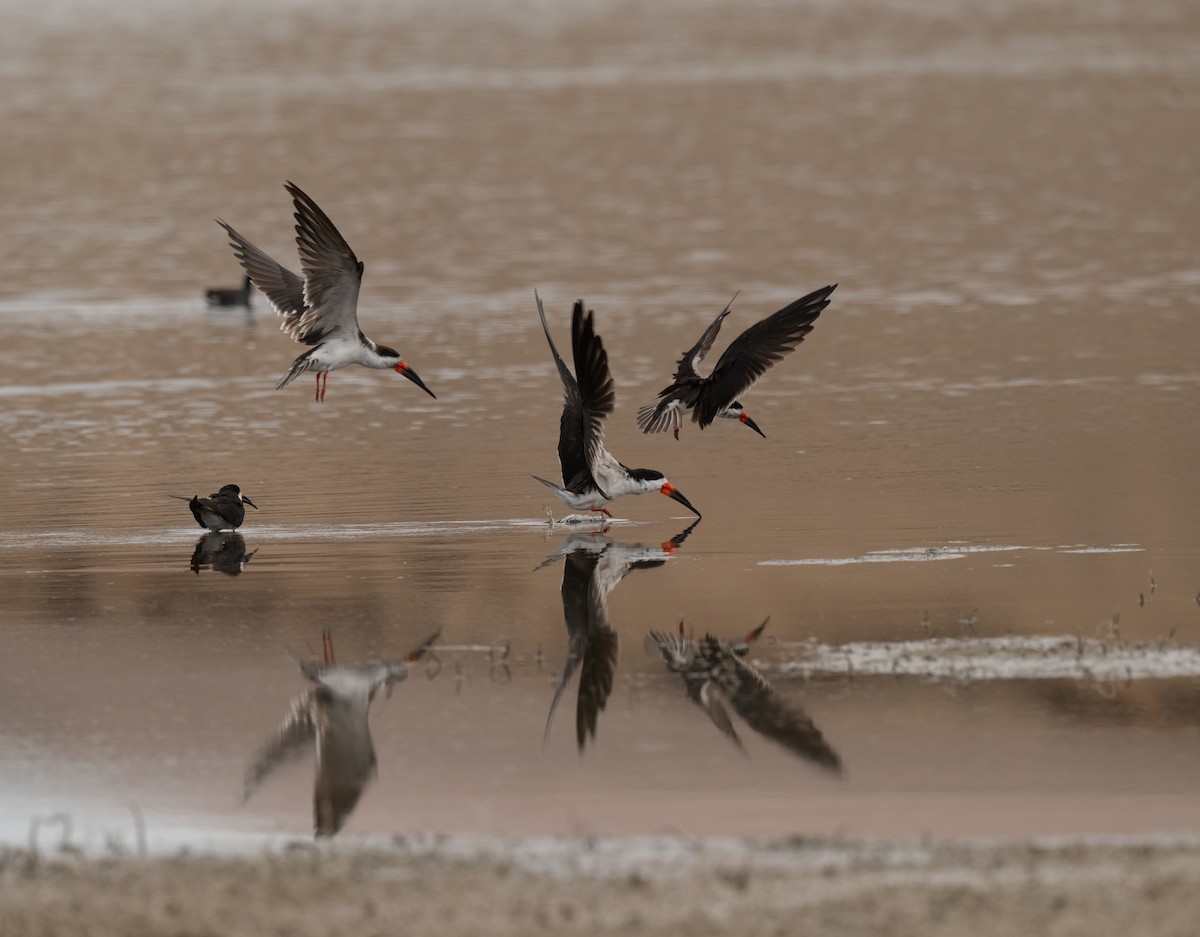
pixel 592 477
pixel 744 362
pixel 222 510
pixel 229 296
pixel 319 308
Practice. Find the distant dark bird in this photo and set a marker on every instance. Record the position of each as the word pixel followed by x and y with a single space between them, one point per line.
pixel 591 476
pixel 744 362
pixel 593 564
pixel 715 673
pixel 334 715
pixel 227 296
pixel 222 510
pixel 320 307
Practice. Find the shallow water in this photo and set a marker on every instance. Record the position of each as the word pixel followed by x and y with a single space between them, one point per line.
pixel 986 447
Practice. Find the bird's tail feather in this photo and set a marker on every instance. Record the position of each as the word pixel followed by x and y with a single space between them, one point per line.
pixel 299 366
pixel 652 419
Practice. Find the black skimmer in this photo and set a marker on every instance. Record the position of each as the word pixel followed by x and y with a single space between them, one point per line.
pixel 592 477
pixel 320 307
pixel 228 296
pixel 222 510
pixel 716 672
pixel 744 362
pixel 334 715
pixel 221 550
pixel 593 564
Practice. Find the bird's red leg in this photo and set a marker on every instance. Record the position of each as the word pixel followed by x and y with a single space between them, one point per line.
pixel 317 394
pixel 603 511
pixel 677 434
pixel 327 647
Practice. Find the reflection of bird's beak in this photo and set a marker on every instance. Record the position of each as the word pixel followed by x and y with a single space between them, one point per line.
pixel 676 495
pixel 409 373
pixel 246 500
pixel 745 418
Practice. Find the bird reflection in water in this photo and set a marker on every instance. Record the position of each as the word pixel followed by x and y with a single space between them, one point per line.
pixel 223 551
pixel 716 673
pixel 593 564
pixel 333 713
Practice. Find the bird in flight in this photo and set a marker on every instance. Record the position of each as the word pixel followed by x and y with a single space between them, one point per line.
pixel 592 477
pixel 319 307
pixel 744 362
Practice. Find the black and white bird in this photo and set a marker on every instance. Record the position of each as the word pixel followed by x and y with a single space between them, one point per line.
pixel 229 296
pixel 222 510
pixel 319 308
pixel 744 362
pixel 592 477
pixel 716 673
pixel 333 714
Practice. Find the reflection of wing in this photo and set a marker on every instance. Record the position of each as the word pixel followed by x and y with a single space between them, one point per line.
pixel 715 674
pixel 680 654
pixel 707 696
pixel 297 731
pixel 765 711
pixel 595 677
pixel 593 645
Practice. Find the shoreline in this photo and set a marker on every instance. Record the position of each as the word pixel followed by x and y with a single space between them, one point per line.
pixel 465 885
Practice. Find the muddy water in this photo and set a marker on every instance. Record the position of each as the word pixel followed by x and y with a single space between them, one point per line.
pixel 990 433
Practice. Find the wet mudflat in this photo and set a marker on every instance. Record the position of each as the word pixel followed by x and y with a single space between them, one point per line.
pixel 976 490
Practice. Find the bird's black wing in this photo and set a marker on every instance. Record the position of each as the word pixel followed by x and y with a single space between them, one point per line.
pixel 756 349
pixel 595 389
pixel 575 472
pixel 685 368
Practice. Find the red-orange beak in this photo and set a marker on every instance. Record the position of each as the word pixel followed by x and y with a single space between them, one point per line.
pixel 676 495
pixel 409 373
pixel 745 418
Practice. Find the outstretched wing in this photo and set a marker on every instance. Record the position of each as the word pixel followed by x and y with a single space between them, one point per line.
pixel 598 396
pixel 575 472
pixel 685 368
pixel 756 349
pixel 283 289
pixel 332 274
pixel 290 741
pixel 673 401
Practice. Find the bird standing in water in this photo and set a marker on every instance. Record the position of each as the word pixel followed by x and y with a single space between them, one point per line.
pixel 319 308
pixel 592 477
pixel 222 510
pixel 744 362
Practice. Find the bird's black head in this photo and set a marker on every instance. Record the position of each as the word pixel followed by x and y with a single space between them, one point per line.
pixel 645 475
pixel 237 493
pixel 388 352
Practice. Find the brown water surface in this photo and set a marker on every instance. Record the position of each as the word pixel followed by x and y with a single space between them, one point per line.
pixel 992 430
